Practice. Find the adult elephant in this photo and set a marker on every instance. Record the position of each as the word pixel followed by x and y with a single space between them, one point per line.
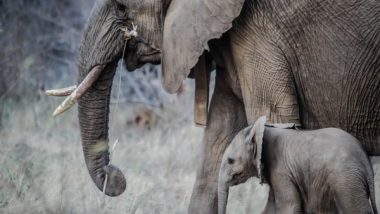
pixel 313 62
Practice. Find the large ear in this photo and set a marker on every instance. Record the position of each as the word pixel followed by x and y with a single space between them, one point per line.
pixel 189 25
pixel 255 136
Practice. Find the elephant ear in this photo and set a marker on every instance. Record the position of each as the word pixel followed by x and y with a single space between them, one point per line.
pixel 255 137
pixel 189 25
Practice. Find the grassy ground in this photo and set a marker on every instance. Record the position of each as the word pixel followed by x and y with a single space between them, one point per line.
pixel 42 167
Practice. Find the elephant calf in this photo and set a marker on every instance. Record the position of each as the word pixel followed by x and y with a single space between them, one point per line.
pixel 317 171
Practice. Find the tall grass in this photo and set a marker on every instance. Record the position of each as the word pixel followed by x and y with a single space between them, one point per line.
pixel 43 171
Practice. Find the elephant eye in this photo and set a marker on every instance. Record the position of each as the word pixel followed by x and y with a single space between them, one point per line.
pixel 120 8
pixel 230 161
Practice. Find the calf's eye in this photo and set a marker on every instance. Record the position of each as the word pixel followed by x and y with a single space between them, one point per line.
pixel 230 161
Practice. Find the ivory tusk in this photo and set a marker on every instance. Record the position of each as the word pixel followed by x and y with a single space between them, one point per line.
pixel 64 106
pixel 202 83
pixel 83 87
pixel 61 92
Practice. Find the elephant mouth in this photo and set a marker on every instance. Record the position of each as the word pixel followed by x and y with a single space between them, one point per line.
pixel 153 52
pixel 153 57
pixel 239 178
pixel 138 53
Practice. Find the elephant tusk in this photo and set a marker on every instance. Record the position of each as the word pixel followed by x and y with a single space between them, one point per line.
pixel 202 83
pixel 65 105
pixel 83 87
pixel 61 92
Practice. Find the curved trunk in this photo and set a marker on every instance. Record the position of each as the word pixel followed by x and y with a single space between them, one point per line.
pixel 222 197
pixel 93 118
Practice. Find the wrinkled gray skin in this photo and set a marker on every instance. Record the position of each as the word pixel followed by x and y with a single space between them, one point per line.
pixel 313 62
pixel 103 43
pixel 317 171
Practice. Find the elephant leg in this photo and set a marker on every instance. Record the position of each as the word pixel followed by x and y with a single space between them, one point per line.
pixel 225 119
pixel 375 160
pixel 267 82
pixel 270 206
pixel 1 115
pixel 287 198
pixel 353 199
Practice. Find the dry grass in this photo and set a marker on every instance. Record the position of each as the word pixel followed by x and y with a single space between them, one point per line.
pixel 42 168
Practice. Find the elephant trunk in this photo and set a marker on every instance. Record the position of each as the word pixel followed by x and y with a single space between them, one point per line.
pixel 223 189
pixel 93 118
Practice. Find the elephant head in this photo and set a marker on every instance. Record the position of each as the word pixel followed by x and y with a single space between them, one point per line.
pixel 171 32
pixel 241 160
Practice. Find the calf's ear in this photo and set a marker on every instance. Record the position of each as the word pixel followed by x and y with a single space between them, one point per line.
pixel 255 136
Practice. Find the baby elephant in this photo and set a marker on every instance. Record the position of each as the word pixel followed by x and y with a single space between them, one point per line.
pixel 316 171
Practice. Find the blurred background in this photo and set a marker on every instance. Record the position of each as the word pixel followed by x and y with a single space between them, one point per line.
pixel 42 168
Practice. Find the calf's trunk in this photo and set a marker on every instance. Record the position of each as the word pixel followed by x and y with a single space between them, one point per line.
pixel 223 189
